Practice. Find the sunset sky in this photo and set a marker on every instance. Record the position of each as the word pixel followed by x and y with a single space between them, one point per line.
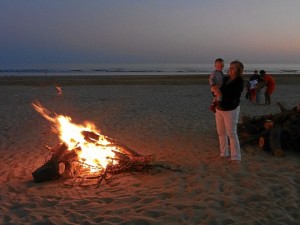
pixel 156 31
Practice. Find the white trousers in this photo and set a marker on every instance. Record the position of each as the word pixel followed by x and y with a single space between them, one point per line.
pixel 226 122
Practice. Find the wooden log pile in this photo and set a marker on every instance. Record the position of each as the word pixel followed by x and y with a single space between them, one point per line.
pixel 276 133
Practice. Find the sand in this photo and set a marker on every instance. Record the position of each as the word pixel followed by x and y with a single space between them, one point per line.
pixel 171 121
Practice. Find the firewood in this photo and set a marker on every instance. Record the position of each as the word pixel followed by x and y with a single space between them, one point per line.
pixel 64 163
pixel 90 136
pixel 93 137
pixel 275 141
pixel 254 138
pixel 260 129
pixel 51 169
pixel 262 142
pixel 282 108
pixel 124 148
pixel 59 152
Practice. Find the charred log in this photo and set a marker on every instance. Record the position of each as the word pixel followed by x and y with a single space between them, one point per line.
pixel 51 169
pixel 90 136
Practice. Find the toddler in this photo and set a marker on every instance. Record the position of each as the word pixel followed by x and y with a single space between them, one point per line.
pixel 215 82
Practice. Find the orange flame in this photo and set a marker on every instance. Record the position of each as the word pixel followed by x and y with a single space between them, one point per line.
pixel 95 152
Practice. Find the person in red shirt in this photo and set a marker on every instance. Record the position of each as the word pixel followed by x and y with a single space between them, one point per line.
pixel 270 86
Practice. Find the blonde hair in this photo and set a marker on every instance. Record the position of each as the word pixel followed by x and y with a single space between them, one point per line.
pixel 239 66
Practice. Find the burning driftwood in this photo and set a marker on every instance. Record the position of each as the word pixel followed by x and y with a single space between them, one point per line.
pixel 65 163
pixel 273 132
pixel 86 154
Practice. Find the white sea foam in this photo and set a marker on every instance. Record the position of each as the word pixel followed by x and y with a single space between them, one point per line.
pixel 135 69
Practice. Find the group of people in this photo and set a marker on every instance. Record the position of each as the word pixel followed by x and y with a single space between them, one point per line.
pixel 256 83
pixel 227 90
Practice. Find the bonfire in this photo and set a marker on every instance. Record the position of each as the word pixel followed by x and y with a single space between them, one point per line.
pixel 84 153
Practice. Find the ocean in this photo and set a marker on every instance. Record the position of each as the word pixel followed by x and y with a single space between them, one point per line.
pixel 134 69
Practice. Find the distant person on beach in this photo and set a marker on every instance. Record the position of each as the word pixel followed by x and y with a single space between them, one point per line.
pixel 254 76
pixel 215 82
pixel 270 86
pixel 252 89
pixel 259 86
pixel 227 112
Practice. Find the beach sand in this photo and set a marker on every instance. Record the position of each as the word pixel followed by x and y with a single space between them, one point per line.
pixel 171 121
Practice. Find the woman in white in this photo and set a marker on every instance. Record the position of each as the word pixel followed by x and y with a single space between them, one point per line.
pixel 227 113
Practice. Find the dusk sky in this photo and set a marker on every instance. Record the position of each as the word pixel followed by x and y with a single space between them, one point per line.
pixel 156 31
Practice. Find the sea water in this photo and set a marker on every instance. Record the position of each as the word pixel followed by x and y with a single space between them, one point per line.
pixel 135 69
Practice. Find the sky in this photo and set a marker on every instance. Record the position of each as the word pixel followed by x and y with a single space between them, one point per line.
pixel 153 31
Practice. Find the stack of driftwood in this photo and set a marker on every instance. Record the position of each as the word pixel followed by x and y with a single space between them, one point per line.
pixel 276 133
